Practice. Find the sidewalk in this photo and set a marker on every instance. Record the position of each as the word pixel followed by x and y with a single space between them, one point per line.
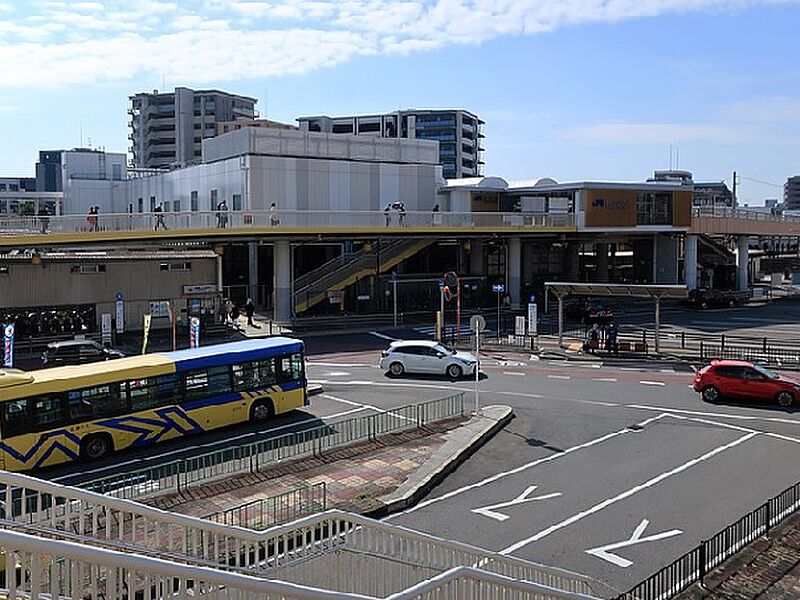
pixel 374 478
pixel 768 569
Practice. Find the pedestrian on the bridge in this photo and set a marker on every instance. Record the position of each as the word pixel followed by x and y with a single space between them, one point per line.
pixel 159 210
pixel 613 333
pixel 222 214
pixel 401 212
pixel 274 220
pixel 387 214
pixel 249 310
pixel 435 208
pixel 44 218
pixel 92 217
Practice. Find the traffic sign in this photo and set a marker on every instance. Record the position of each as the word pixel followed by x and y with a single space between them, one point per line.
pixel 498 288
pixel 477 323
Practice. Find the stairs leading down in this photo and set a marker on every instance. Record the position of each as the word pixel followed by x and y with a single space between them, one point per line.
pixel 345 270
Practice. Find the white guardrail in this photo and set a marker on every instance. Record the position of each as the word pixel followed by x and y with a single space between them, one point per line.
pixel 279 220
pixel 723 212
pixel 335 551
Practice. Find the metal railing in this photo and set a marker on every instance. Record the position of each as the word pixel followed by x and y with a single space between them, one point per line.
pixel 278 220
pixel 178 475
pixel 695 565
pixel 725 212
pixel 274 510
pixel 336 551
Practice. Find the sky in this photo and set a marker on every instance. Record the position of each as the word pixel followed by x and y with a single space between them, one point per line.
pixel 569 89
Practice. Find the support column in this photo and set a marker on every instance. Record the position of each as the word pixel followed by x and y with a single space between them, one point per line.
pixel 601 262
pixel 572 261
pixel 252 273
pixel 282 282
pixel 666 259
pixel 690 261
pixel 742 263
pixel 477 262
pixel 514 270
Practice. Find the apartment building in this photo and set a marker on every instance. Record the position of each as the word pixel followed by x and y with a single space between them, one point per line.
pixel 791 193
pixel 167 129
pixel 459 133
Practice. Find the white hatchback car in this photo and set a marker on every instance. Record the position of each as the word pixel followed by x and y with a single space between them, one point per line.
pixel 420 356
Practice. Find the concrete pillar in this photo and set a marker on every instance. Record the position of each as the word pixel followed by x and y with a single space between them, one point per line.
pixel 742 263
pixel 665 249
pixel 514 270
pixel 572 261
pixel 690 261
pixel 477 261
pixel 282 282
pixel 252 273
pixel 601 262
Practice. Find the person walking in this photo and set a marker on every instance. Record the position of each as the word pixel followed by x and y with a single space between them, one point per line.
pixel 401 211
pixel 222 214
pixel 160 223
pixel 249 310
pixel 44 218
pixel 387 214
pixel 274 220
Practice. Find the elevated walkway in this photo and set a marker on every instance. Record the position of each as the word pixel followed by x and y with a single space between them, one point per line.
pixel 737 221
pixel 347 269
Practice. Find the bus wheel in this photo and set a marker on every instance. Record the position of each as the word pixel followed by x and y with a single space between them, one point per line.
pixel 95 447
pixel 261 411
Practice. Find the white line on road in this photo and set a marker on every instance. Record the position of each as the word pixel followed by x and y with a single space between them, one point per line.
pixel 598 403
pixel 517 373
pixel 712 414
pixel 630 369
pixel 610 379
pixel 559 377
pixel 529 465
pixel 369 406
pixel 626 494
pixel 314 363
pixel 658 383
pixel 383 336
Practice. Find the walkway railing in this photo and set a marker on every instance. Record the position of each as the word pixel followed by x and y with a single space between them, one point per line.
pixel 178 475
pixel 336 551
pixel 278 220
pixel 724 212
pixel 274 510
pixel 696 564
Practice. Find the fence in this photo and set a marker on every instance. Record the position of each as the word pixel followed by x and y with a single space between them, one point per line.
pixel 277 509
pixel 177 476
pixel 695 565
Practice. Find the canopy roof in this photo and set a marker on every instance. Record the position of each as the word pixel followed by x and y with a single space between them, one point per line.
pixel 563 288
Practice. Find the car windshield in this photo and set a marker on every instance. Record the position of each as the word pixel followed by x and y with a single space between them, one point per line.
pixel 766 372
pixel 443 349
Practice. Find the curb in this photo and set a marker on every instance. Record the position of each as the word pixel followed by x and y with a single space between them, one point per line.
pixel 314 389
pixel 438 474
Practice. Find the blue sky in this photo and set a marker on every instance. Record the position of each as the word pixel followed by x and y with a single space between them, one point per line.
pixel 570 89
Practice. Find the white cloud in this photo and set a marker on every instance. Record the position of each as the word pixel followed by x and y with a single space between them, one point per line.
pixel 60 43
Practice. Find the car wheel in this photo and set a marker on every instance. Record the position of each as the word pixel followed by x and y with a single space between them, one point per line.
pixel 261 411
pixel 711 394
pixel 785 399
pixel 396 369
pixel 95 447
pixel 454 372
pixel 703 305
pixel 731 303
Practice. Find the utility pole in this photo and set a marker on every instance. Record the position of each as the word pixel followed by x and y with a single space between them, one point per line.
pixel 735 203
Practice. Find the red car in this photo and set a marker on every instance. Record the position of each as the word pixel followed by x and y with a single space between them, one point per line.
pixel 739 380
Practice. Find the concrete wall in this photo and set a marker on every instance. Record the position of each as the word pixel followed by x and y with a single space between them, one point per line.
pixel 140 281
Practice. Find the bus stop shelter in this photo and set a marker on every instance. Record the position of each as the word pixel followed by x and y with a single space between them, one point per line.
pixel 613 290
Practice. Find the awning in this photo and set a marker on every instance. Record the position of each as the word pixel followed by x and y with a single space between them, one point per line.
pixel 563 288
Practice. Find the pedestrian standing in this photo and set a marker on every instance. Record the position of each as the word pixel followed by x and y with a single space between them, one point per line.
pixel 249 310
pixel 44 218
pixel 159 210
pixel 274 219
pixel 401 211
pixel 387 214
pixel 222 214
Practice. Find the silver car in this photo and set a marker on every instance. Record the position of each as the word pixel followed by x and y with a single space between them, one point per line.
pixel 423 356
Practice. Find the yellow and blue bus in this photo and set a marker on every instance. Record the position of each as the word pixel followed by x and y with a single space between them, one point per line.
pixel 62 414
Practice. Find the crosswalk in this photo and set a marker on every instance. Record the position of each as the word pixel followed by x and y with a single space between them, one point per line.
pixel 430 331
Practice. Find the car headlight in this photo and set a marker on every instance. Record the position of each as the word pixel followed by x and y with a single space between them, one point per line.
pixel 797 388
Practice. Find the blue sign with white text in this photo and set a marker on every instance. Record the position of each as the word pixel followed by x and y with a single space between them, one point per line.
pixel 498 288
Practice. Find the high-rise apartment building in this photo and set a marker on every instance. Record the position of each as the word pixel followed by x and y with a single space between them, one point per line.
pixel 459 133
pixel 791 193
pixel 167 129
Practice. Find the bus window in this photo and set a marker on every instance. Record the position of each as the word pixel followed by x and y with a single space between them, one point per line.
pixel 47 412
pixel 219 380
pixel 100 401
pixel 15 417
pixel 266 372
pixel 291 367
pixel 245 377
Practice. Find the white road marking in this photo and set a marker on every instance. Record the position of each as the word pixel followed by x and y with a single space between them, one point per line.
pixel 712 414
pixel 668 370
pixel 338 374
pixel 314 363
pixel 659 383
pixel 603 553
pixel 383 336
pixel 611 379
pixel 369 406
pixel 517 373
pixel 559 377
pixel 630 369
pixel 598 403
pixel 530 465
pixel 489 511
pixel 626 494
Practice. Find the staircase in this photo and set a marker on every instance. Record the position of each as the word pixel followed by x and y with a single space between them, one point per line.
pixel 711 253
pixel 335 275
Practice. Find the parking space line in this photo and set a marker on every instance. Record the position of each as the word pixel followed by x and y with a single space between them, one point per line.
pixel 626 494
pixel 610 379
pixel 535 463
pixel 658 383
pixel 712 414
pixel 517 373
pixel 559 377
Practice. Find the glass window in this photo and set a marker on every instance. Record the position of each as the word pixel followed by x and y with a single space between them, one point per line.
pixel 196 384
pixel 266 372
pixel 245 377
pixel 291 367
pixel 47 412
pixel 176 206
pixel 100 401
pixel 219 380
pixel 15 417
pixel 194 202
pixel 237 202
pixel 654 208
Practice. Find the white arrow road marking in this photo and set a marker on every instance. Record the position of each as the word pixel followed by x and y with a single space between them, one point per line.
pixel 488 511
pixel 602 552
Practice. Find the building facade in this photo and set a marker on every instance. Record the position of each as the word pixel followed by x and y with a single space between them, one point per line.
pixel 167 129
pixel 459 133
pixel 791 193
